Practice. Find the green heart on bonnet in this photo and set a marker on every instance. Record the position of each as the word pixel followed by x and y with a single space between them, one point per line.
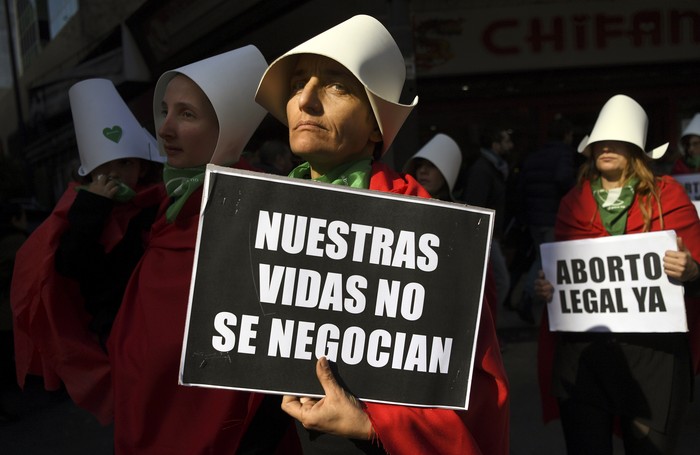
pixel 113 134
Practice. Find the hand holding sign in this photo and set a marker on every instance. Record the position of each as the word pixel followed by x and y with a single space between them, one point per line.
pixel 680 265
pixel 338 413
pixel 543 288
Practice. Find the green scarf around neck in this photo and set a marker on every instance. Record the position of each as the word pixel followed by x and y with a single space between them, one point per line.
pixel 180 184
pixel 355 174
pixel 614 204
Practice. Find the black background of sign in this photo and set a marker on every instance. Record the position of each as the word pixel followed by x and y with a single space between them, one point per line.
pixel 227 280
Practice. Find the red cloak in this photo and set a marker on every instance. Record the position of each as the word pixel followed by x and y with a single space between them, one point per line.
pixel 152 413
pixel 484 427
pixel 578 218
pixel 51 332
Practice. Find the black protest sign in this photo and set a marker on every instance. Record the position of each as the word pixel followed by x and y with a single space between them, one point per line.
pixel 387 287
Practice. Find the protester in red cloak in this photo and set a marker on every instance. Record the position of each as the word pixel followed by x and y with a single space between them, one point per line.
pixel 657 203
pixel 71 272
pixel 204 113
pixel 343 114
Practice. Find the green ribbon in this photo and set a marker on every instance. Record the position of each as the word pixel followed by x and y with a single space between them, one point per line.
pixel 180 184
pixel 355 174
pixel 614 204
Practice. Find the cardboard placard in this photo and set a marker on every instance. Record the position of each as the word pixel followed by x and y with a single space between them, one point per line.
pixel 613 284
pixel 388 287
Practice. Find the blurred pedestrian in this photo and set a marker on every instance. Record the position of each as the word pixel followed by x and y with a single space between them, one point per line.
pixel 545 177
pixel 485 186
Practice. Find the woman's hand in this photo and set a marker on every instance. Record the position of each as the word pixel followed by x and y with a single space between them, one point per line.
pixel 103 185
pixel 543 288
pixel 680 265
pixel 337 413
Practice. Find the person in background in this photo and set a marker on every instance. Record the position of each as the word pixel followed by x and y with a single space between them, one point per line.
pixel 338 93
pixel 545 177
pixel 485 186
pixel 71 272
pixel 204 113
pixel 639 381
pixel 104 184
pixel 436 166
pixel 689 163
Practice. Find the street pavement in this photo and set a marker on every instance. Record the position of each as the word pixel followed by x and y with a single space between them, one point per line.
pixel 49 424
pixel 528 435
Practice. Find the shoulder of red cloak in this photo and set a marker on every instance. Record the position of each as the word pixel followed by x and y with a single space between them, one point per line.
pixel 386 179
pixel 33 265
pixel 182 233
pixel 54 346
pixel 578 216
pixel 150 195
pixel 482 429
pixel 678 210
pixel 34 259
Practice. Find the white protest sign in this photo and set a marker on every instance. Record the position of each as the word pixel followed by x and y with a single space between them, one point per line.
pixel 388 287
pixel 613 284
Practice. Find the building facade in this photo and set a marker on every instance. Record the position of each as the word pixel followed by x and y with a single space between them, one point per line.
pixel 471 63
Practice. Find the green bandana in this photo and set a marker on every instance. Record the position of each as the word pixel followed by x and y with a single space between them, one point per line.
pixel 614 204
pixel 355 174
pixel 180 184
pixel 123 194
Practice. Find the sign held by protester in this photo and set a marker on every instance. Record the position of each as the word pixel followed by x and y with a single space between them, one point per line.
pixel 613 284
pixel 387 287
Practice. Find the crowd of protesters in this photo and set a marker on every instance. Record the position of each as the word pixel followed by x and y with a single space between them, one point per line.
pixel 99 291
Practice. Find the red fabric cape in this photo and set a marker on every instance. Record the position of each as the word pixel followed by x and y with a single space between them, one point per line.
pixel 484 428
pixel 578 218
pixel 152 413
pixel 51 332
